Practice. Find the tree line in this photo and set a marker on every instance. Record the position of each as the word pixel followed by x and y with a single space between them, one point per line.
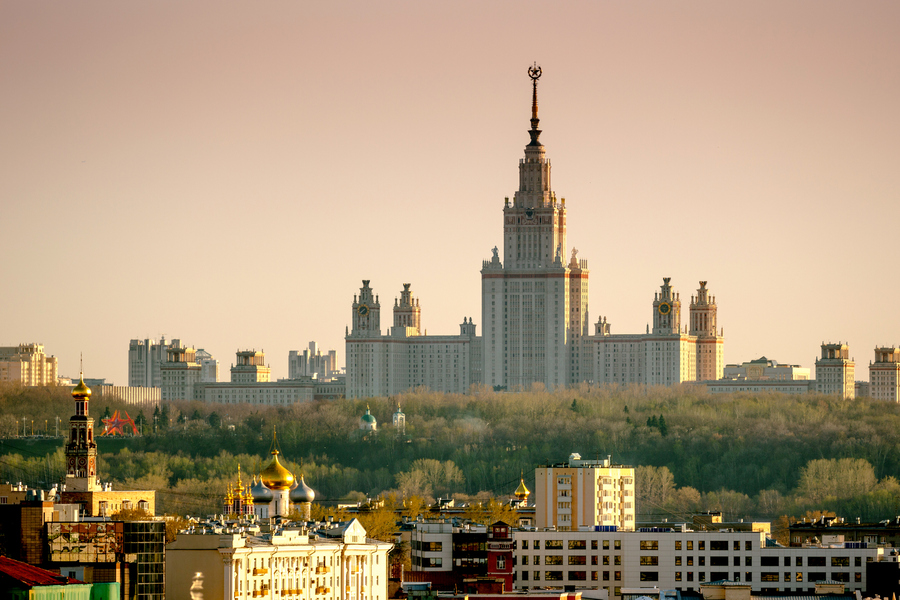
pixel 750 455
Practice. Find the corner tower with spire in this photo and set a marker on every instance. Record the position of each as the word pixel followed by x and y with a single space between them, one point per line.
pixel 534 302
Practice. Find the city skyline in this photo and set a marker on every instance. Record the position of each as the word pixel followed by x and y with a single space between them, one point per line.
pixel 227 174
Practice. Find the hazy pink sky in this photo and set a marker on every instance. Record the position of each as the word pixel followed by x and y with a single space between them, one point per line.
pixel 227 172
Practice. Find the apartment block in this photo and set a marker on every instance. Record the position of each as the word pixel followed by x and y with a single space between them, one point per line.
pixel 28 365
pixel 683 560
pixel 582 493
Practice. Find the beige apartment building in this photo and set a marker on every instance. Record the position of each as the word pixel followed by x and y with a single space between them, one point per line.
pixel 180 373
pixel 836 371
pixel 582 493
pixel 884 374
pixel 28 365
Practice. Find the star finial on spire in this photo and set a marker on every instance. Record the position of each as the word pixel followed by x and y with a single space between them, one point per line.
pixel 534 72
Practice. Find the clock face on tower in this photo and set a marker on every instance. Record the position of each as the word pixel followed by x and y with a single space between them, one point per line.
pixel 362 310
pixel 665 308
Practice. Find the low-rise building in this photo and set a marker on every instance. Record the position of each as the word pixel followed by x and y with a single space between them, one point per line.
pixel 461 557
pixel 765 369
pixel 681 560
pixel 240 560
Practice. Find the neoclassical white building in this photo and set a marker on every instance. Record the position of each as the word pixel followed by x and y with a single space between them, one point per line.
pixel 329 561
pixel 534 310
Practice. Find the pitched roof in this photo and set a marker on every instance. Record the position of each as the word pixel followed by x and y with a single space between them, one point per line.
pixel 30 575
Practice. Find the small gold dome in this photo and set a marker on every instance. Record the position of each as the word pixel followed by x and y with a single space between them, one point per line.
pixel 522 491
pixel 81 390
pixel 276 476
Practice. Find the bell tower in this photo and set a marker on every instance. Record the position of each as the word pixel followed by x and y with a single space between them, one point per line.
pixel 81 449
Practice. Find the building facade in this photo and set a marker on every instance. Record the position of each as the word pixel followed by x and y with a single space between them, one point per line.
pixel 145 359
pixel 250 384
pixel 312 363
pixel 451 557
pixel 330 561
pixel 534 314
pixel 28 365
pixel 581 493
pixel 884 375
pixel 836 371
pixel 682 560
pixel 406 357
pixel 179 373
pixel 668 353
pixel 765 369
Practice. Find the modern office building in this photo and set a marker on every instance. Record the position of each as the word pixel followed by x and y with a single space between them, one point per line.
pixel 145 359
pixel 209 366
pixel 836 371
pixel 28 365
pixel 581 493
pixel 884 374
pixel 312 363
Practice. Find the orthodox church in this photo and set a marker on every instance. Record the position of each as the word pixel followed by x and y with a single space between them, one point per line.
pixel 274 493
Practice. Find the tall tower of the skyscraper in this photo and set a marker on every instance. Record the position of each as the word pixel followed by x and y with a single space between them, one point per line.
pixel 836 371
pixel 666 310
pixel 407 313
pixel 366 312
pixel 710 345
pixel 81 450
pixel 534 302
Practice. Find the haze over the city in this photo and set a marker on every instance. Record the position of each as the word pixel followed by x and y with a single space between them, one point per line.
pixel 228 172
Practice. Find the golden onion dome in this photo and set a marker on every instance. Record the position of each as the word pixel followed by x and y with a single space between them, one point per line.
pixel 522 491
pixel 276 476
pixel 81 390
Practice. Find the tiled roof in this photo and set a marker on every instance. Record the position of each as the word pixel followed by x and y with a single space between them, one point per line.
pixel 30 575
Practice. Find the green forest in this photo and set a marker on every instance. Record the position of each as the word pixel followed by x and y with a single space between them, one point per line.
pixel 752 456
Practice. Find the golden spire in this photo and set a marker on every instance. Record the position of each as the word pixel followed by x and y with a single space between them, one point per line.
pixel 81 391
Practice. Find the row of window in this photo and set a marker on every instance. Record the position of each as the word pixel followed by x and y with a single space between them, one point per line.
pixel 701 576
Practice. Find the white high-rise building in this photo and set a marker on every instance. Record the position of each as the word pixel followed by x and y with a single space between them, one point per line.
pixel 28 364
pixel 145 358
pixel 534 310
pixel 884 374
pixel 534 302
pixel 836 371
